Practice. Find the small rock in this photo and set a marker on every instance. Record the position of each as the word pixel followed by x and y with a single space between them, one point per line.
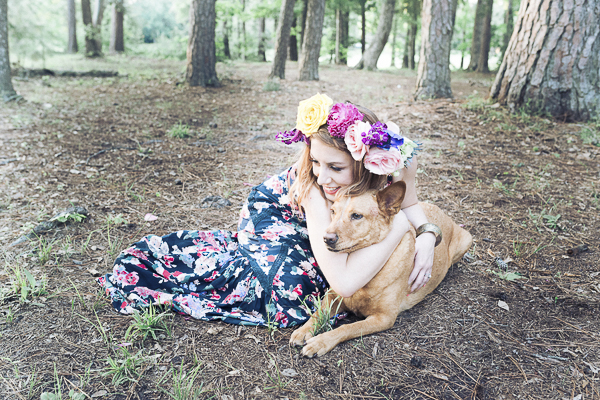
pixel 289 372
pixel 416 362
pixel 94 273
pixel 214 201
pixel 77 262
pixel 220 150
pixel 214 330
pixel 212 125
pixel 178 181
pixel 100 393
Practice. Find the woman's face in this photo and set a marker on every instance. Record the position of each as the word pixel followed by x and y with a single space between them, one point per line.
pixel 332 167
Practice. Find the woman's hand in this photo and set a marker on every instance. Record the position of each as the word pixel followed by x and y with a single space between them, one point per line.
pixel 421 273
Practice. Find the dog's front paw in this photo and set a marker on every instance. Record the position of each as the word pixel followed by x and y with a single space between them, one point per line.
pixel 300 336
pixel 318 345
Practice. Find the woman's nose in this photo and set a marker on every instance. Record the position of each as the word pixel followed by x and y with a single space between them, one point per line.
pixel 323 177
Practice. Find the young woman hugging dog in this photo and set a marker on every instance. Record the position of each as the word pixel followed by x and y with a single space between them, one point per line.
pixel 268 270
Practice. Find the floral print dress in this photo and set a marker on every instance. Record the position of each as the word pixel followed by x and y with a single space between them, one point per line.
pixel 265 273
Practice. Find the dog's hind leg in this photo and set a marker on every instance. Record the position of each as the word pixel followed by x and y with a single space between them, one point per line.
pixel 304 333
pixel 323 343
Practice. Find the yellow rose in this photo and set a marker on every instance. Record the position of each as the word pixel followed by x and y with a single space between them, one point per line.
pixel 312 113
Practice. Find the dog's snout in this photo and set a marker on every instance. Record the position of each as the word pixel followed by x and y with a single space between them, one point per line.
pixel 330 239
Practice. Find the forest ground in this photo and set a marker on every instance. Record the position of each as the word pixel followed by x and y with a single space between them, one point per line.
pixel 526 187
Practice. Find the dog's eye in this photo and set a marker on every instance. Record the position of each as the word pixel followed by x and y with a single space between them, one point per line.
pixel 332 212
pixel 355 216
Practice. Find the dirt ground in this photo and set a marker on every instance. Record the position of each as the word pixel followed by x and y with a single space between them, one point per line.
pixel 526 187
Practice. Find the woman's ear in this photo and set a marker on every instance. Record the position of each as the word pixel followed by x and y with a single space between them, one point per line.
pixel 390 199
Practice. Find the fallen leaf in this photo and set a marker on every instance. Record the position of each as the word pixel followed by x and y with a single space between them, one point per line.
pixel 257 340
pixel 491 253
pixel 289 372
pixel 149 217
pixel 235 372
pixel 100 393
pixel 503 305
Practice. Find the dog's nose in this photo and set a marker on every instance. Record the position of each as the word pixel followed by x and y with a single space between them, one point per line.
pixel 330 239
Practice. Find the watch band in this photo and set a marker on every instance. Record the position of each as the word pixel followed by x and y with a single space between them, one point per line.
pixel 433 228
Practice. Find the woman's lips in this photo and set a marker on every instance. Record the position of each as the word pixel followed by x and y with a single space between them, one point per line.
pixel 331 191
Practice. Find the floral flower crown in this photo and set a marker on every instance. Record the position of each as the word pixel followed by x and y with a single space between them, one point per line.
pixel 380 146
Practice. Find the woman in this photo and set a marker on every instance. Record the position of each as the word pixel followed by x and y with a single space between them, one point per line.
pixel 264 273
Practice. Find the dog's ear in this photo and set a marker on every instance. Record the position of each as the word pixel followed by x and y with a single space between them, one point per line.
pixel 390 199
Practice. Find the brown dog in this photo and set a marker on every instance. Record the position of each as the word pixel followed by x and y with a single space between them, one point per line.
pixel 365 220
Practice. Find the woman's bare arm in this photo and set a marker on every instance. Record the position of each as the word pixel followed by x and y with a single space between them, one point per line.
pixel 346 273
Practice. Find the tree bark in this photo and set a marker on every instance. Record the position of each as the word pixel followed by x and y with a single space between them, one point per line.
pixel 338 35
pixel 117 43
pixel 6 86
pixel 72 47
pixel 437 24
pixel 243 46
pixel 345 37
pixel 412 46
pixel 294 41
pixel 486 36
pixel 476 40
pixel 93 38
pixel 303 27
pixel 286 15
pixel 551 63
pixel 386 18
pixel 201 51
pixel 261 39
pixel 394 34
pixel 508 21
pixel 413 8
pixel 311 48
pixel 226 49
pixel 97 22
pixel 363 26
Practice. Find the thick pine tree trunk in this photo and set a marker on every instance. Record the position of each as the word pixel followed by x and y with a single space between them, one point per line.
pixel 6 86
pixel 386 18
pixel 477 28
pixel 72 27
pixel 551 63
pixel 311 48
pixel 294 41
pixel 286 15
pixel 486 36
pixel 437 24
pixel 261 39
pixel 201 51
pixel 117 43
pixel 86 14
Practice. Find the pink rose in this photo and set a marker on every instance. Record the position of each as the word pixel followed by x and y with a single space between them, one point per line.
pixel 383 162
pixel 353 140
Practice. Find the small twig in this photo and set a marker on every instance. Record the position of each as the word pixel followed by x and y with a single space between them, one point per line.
pixel 75 387
pixel 459 366
pixel 519 367
pixel 424 394
pixel 579 329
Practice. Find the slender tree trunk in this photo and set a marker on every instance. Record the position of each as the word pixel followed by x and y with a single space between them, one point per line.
pixel 243 45
pixel 412 46
pixel 311 48
pixel 72 24
pixel 437 22
pixel 201 51
pixel 406 47
pixel 286 15
pixel 261 39
pixel 371 56
pixel 551 63
pixel 508 21
pixel 363 26
pixel 97 22
pixel 486 36
pixel 86 14
pixel 117 43
pixel 345 37
pixel 226 49
pixel 394 34
pixel 294 41
pixel 304 11
pixel 476 40
pixel 338 35
pixel 6 86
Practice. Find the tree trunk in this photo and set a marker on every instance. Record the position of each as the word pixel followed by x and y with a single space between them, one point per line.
pixel 86 14
pixel 371 56
pixel 551 63
pixel 338 35
pixel 117 44
pixel 394 34
pixel 363 26
pixel 477 28
pixel 97 22
pixel 226 49
pixel 286 15
pixel 6 86
pixel 412 46
pixel 345 37
pixel 508 21
pixel 72 25
pixel 304 11
pixel 311 48
pixel 414 10
pixel 201 51
pixel 406 48
pixel 243 43
pixel 437 24
pixel 294 41
pixel 261 39
pixel 486 36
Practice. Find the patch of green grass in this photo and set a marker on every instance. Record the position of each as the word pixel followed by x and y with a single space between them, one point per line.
pixel 148 322
pixel 590 134
pixel 179 131
pixel 271 86
pixel 25 285
pixel 65 217
pixel 276 378
pixel 124 367
pixel 475 103
pixel 44 249
pixel 184 385
pixel 322 313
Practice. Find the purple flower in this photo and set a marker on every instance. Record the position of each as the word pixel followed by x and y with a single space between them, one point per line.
pixel 342 115
pixel 377 136
pixel 293 136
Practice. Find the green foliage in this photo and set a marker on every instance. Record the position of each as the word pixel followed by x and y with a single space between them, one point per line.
pixel 179 131
pixel 271 86
pixel 183 383
pixel 125 367
pixel 508 276
pixel 321 314
pixel 74 217
pixel 148 323
pixel 25 285
pixel 590 134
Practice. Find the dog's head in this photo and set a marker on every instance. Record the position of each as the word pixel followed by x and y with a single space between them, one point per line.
pixel 358 222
